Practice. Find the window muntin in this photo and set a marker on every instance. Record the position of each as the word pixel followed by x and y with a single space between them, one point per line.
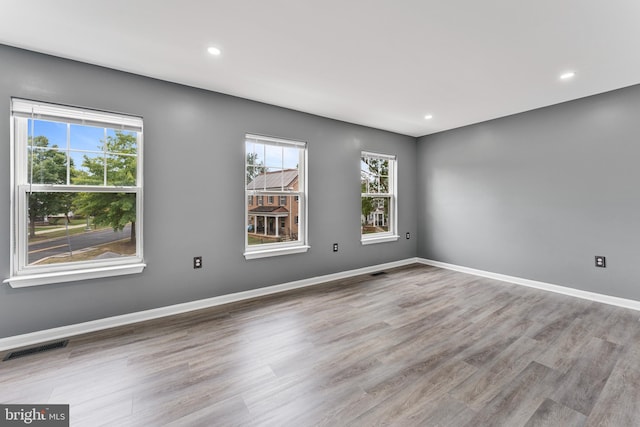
pixel 378 196
pixel 275 168
pixel 77 190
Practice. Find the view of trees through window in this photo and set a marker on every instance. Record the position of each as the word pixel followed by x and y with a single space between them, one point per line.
pixel 79 203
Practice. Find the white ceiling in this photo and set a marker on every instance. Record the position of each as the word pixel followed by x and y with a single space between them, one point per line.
pixel 380 63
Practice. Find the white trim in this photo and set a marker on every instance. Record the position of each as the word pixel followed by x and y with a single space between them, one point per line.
pixel 379 155
pixel 390 235
pixel 265 253
pixel 378 239
pixel 23 274
pixel 56 112
pixel 591 296
pixel 275 141
pixel 141 316
pixel 49 278
pixel 280 248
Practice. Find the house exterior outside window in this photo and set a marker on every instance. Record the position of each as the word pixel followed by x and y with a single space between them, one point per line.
pixel 275 168
pixel 378 198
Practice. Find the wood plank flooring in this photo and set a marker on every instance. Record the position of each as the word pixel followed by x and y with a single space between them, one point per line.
pixel 418 346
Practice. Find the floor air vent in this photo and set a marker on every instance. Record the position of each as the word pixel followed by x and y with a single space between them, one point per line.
pixel 379 273
pixel 34 350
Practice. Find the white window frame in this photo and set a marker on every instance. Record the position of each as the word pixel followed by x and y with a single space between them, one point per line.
pixel 392 234
pixel 24 275
pixel 281 248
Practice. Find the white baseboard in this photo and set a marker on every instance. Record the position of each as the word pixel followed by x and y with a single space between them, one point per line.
pixel 592 296
pixel 140 316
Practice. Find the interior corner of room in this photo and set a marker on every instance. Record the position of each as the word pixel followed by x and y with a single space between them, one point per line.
pixel 532 196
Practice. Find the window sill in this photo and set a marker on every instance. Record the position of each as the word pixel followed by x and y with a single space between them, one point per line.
pixel 73 275
pixel 265 253
pixel 379 239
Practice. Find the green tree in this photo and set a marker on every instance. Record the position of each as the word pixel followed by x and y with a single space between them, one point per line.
pixel 367 208
pixel 47 165
pixel 113 209
pixel 254 167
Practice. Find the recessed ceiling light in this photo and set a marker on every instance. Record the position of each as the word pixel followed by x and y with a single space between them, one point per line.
pixel 214 51
pixel 568 75
pixel 428 117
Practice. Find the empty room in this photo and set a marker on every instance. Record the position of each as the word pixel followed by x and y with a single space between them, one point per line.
pixel 352 213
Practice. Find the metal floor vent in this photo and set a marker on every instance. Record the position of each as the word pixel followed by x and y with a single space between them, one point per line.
pixel 34 350
pixel 379 273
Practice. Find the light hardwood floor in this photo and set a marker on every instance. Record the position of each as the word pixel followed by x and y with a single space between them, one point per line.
pixel 418 346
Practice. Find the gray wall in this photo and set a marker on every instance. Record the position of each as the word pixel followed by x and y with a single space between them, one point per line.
pixel 194 200
pixel 537 195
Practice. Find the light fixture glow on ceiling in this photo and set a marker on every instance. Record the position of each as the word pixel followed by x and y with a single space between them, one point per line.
pixel 428 117
pixel 214 51
pixel 568 75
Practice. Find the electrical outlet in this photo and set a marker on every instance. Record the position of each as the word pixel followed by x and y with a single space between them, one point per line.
pixel 408 235
pixel 601 261
pixel 197 262
pixel 335 247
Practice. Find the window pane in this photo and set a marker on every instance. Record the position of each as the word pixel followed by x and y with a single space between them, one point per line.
pixel 375 215
pixel 86 138
pixel 73 227
pixel 122 159
pixel 254 162
pixel 273 223
pixel 88 168
pixel 87 160
pixel 121 170
pixel 384 184
pixel 291 156
pixel 46 165
pixel 374 175
pixel 51 134
pixel 273 155
pixel 121 141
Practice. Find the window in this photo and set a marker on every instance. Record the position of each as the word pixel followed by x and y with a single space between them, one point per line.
pixel 378 198
pixel 260 200
pixel 250 200
pixel 76 194
pixel 275 168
